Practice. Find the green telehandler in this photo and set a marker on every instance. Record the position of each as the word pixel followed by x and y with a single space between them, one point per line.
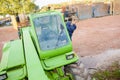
pixel 43 52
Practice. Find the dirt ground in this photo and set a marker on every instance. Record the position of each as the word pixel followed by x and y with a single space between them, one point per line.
pixel 6 34
pixel 92 36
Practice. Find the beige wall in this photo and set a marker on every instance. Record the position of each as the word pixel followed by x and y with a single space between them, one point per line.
pixel 14 22
pixel 116 7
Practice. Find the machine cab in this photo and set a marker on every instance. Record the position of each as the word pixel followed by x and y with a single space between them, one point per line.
pixel 51 32
pixel 52 35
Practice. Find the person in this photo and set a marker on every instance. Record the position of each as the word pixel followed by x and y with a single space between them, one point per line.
pixel 65 12
pixel 17 18
pixel 49 8
pixel 62 33
pixel 70 27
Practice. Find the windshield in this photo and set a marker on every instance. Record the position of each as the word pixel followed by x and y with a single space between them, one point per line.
pixel 50 32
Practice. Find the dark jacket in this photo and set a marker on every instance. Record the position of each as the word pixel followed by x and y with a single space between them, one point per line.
pixel 70 28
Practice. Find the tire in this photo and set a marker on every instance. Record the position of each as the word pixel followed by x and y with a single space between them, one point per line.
pixel 78 71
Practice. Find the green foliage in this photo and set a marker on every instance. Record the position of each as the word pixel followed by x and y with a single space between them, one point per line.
pixel 16 6
pixel 56 6
pixel 111 73
pixel 53 6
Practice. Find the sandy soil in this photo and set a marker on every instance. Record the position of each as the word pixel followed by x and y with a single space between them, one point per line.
pixel 97 35
pixel 92 36
pixel 6 34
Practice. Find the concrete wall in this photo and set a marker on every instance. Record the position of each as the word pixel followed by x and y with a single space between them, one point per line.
pixel 101 9
pixel 85 12
pixel 116 7
pixel 82 11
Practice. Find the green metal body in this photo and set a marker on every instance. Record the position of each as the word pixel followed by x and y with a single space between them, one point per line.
pixel 23 59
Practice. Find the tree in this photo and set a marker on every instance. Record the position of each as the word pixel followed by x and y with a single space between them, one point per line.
pixel 16 6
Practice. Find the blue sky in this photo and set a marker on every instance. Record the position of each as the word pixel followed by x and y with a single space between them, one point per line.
pixel 45 2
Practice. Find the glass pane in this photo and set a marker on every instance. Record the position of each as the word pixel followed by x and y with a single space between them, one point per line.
pixel 50 32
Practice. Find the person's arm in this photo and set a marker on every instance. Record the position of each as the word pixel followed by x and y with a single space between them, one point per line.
pixel 74 26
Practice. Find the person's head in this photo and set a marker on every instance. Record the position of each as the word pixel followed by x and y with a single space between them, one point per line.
pixel 70 19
